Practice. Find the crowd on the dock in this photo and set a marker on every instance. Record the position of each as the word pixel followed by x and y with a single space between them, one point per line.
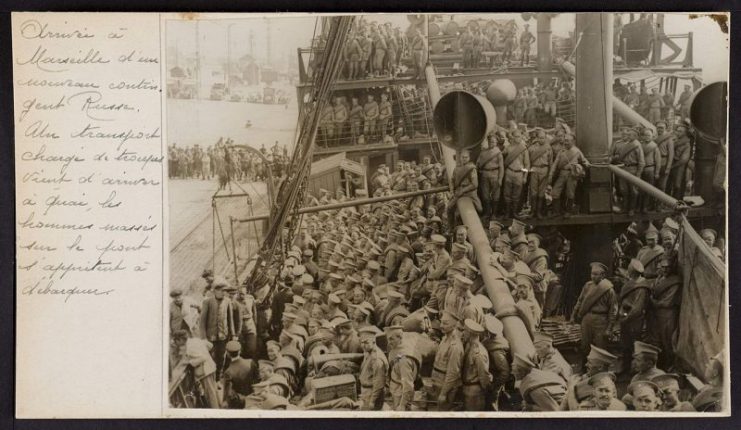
pixel 383 306
pixel 226 162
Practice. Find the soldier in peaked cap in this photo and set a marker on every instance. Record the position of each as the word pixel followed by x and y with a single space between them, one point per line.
pixel 669 389
pixel 604 397
pixel 497 347
pixel 347 339
pixel 404 364
pixel 596 309
pixel 549 358
pixel 373 371
pixel 476 376
pixel 644 361
pixel 709 236
pixel 448 363
pixel 579 389
pixel 495 229
pixel 633 302
pixel 651 253
pixel 541 390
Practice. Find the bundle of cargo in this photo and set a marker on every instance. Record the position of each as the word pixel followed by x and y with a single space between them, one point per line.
pixel 563 332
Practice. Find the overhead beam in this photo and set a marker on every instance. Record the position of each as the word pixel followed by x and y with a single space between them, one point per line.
pixel 349 203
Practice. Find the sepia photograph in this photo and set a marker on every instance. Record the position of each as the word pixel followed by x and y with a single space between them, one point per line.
pixel 492 213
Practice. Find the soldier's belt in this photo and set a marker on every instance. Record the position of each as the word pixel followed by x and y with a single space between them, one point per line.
pixel 439 370
pixel 366 386
pixel 538 167
pixel 596 313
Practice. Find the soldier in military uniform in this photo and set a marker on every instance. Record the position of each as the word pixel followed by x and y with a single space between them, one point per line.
pixel 340 114
pixel 379 52
pixel 356 120
pixel 650 254
pixel 536 259
pixel 419 52
pixel 669 390
pixel 569 166
pixel 490 165
pixel 549 358
pixel 526 39
pixel 630 155
pixel 495 230
pixel 665 142
pixel 604 397
pixel 632 308
pixel 326 125
pixel 497 347
pixel 516 164
pixel 465 184
pixel 644 361
pixel 579 389
pixel 663 311
pixel 353 53
pixel 596 309
pixel 373 371
pixel 541 390
pixel 541 161
pixel 650 172
pixel 644 396
pixel 404 365
pixel 682 153
pixel 370 116
pixel 476 376
pixel 384 116
pixel 448 364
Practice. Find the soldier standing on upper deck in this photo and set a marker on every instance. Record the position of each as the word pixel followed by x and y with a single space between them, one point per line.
pixel 665 142
pixel 541 162
pixel 516 164
pixel 384 116
pixel 568 166
pixel 370 115
pixel 650 172
pixel 526 38
pixel 490 165
pixel 630 155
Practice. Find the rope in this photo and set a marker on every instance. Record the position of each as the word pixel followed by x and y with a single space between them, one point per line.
pixel 221 229
pixel 292 188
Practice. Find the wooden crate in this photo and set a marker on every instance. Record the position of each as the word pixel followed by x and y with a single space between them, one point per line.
pixel 334 387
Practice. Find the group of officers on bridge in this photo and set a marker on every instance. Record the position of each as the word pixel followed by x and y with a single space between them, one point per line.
pixel 382 307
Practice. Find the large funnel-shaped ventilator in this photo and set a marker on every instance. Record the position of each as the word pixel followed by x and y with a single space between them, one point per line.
pixel 463 120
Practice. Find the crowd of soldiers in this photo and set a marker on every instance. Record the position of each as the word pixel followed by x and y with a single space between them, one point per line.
pixel 551 99
pixel 504 44
pixel 226 162
pixel 382 50
pixel 357 118
pixel 382 307
pixel 652 104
